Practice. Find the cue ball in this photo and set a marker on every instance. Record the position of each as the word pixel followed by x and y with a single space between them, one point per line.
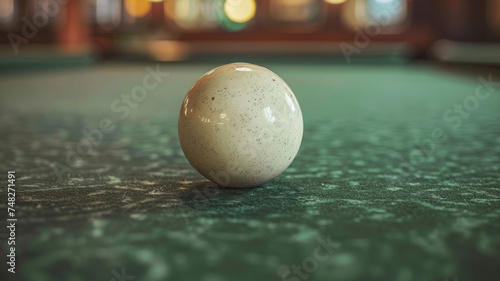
pixel 240 125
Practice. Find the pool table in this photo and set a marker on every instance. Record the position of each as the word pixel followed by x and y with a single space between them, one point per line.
pixel 397 177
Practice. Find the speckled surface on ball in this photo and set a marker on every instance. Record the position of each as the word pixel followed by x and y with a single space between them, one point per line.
pixel 240 125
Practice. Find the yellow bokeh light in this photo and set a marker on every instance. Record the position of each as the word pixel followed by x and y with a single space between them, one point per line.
pixel 137 8
pixel 183 9
pixel 240 11
pixel 185 13
pixel 335 1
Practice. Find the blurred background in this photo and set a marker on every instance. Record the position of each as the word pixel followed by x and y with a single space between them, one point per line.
pixel 373 173
pixel 175 30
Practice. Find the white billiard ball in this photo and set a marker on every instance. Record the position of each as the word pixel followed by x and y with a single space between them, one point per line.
pixel 240 125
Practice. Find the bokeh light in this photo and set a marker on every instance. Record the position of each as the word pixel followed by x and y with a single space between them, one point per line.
pixel 107 13
pixel 335 1
pixel 379 9
pixel 225 22
pixel 240 11
pixel 137 8
pixel 354 13
pixel 6 10
pixel 209 13
pixel 185 13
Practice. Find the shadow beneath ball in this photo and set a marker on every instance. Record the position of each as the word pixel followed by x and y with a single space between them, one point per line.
pixel 202 191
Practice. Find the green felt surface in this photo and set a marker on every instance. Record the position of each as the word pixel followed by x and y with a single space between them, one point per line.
pixel 135 204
